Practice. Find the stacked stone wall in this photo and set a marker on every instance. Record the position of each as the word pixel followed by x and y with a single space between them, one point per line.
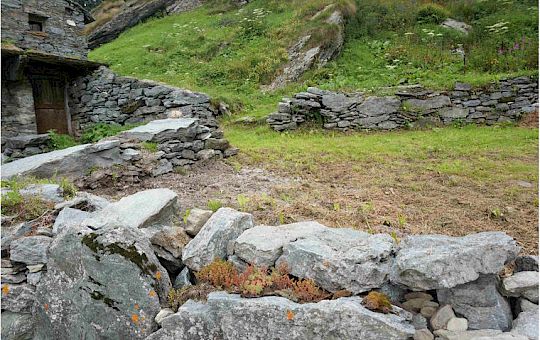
pixel 506 101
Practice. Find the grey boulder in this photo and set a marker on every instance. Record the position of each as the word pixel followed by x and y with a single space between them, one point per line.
pixel 211 242
pixel 30 250
pixel 17 326
pixel 527 324
pixel 226 316
pixel 69 216
pixel 195 220
pixel 524 284
pixel 427 262
pixel 139 210
pixel 480 303
pixel 100 284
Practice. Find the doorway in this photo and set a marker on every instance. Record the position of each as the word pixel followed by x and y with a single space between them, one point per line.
pixel 50 104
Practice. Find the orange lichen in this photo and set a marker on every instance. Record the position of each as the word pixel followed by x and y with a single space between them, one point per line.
pixel 137 306
pixel 46 306
pixel 290 315
pixel 158 276
pixel 135 319
pixel 5 289
pixel 152 293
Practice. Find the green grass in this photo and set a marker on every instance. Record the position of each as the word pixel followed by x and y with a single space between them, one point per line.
pixel 230 53
pixel 480 153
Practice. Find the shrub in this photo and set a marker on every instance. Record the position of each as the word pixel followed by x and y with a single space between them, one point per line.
pixel 214 205
pixel 59 142
pixel 432 14
pixel 376 301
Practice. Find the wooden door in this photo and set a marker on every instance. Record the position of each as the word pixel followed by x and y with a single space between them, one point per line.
pixel 49 104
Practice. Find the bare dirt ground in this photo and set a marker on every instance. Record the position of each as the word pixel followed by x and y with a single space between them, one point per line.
pixel 376 198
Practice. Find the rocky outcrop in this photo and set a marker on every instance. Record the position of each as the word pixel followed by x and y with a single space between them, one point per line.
pixel 435 261
pixel 130 15
pixel 226 316
pixel 505 101
pixel 303 57
pixel 100 284
pixel 71 162
pixel 335 258
pixel 179 6
pixel 213 239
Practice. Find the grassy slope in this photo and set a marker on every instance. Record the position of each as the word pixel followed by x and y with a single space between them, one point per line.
pixel 232 53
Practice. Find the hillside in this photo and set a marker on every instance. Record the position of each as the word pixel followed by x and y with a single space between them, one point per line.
pixel 232 52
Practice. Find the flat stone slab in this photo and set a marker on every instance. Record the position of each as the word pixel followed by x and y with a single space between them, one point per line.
pixel 161 129
pixel 139 210
pixel 426 262
pixel 70 162
pixel 228 316
pixel 335 258
pixel 22 141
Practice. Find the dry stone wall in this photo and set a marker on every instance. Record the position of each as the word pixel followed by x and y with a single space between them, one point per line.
pixel 105 97
pixel 506 101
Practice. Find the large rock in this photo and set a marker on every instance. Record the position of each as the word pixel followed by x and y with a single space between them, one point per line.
pixel 427 262
pixel 18 298
pixel 127 17
pixel 336 258
pixel 183 129
pixel 23 141
pixel 30 250
pixel 226 316
pixel 378 106
pixel 196 219
pixel 71 162
pixel 426 105
pixel 484 334
pixel 212 240
pixel 47 192
pixel 523 284
pixel 526 324
pixel 100 284
pixel 17 326
pixel 69 216
pixel 457 25
pixel 480 303
pixel 139 210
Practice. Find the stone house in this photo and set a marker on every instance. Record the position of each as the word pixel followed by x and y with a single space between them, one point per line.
pixel 42 52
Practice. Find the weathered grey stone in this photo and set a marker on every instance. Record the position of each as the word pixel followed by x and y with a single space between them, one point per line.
pixel 165 312
pixel 196 219
pixel 163 129
pixel 526 324
pixel 523 284
pixel 131 155
pixel 419 321
pixel 71 162
pixel 423 334
pixel 526 305
pixel 462 87
pixel 377 106
pixel 440 319
pixel 139 210
pixel 30 250
pixel 69 216
pixel 100 284
pixel 453 112
pixel 171 239
pixel 24 141
pixel 17 298
pixel 460 27
pixel 226 316
pixel 84 201
pixel 34 278
pixel 17 326
pixel 337 102
pixel 480 303
pixel 527 263
pixel 335 258
pixel 428 104
pixel 13 277
pixel 216 144
pixel 211 242
pixel 183 279
pixel 484 334
pixel 418 295
pixel 163 167
pixel 457 324
pixel 414 305
pixel 427 262
pixel 48 192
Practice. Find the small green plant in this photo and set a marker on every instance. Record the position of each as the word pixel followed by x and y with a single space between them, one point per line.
pixel 214 205
pixel 243 201
pixel 99 131
pixel 186 216
pixel 336 206
pixel 59 142
pixel 432 14
pixel 24 208
pixel 402 220
pixel 281 217
pixel 395 237
pixel 150 146
pixel 68 188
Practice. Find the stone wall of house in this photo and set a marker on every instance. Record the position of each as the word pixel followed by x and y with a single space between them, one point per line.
pixel 62 23
pixel 505 101
pixel 18 115
pixel 106 97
